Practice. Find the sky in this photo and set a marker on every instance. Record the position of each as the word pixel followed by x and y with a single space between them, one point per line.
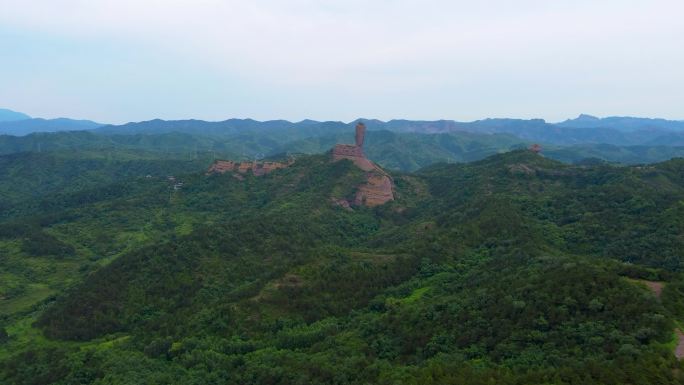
pixel 115 61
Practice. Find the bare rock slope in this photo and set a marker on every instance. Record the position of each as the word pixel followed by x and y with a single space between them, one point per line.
pixel 378 188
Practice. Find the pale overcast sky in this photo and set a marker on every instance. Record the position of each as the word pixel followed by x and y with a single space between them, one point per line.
pixel 130 60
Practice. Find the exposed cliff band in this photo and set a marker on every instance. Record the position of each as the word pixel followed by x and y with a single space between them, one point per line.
pixel 257 168
pixel 378 188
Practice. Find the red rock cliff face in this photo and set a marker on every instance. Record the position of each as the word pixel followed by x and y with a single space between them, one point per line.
pixel 376 191
pixel 353 153
pixel 378 188
pixel 221 166
pixel 257 168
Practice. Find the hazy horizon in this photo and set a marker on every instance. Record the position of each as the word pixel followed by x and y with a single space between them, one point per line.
pixel 345 121
pixel 127 61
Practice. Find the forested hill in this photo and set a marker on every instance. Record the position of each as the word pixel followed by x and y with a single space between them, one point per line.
pixel 584 129
pixel 10 116
pixel 515 269
pixel 403 151
pixel 27 126
pixel 404 145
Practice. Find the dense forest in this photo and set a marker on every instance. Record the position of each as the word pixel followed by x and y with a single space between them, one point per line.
pixel 513 269
pixel 400 145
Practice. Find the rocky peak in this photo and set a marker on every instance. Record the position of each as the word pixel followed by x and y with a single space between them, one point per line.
pixel 378 188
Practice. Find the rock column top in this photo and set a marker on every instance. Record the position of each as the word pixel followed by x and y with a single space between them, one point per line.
pixel 360 133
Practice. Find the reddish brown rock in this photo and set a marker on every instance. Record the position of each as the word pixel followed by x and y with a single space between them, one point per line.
pixel 244 167
pixel 267 167
pixel 347 151
pixel 360 133
pixel 378 188
pixel 353 153
pixel 221 166
pixel 257 168
pixel 376 191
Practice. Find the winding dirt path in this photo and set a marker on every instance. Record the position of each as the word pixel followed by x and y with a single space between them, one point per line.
pixel 657 289
pixel 679 350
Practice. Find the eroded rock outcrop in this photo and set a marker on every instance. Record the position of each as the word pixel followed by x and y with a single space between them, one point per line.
pixel 257 168
pixel 376 191
pixel 378 188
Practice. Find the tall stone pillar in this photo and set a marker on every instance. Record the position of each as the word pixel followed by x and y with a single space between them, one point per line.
pixel 360 133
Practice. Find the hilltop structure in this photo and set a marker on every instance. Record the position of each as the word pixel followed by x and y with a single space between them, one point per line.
pixel 378 188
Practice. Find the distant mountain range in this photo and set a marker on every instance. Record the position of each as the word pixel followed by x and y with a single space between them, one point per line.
pixel 397 144
pixel 10 116
pixel 19 124
pixel 623 123
pixel 621 131
pixel 583 129
pixel 616 131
